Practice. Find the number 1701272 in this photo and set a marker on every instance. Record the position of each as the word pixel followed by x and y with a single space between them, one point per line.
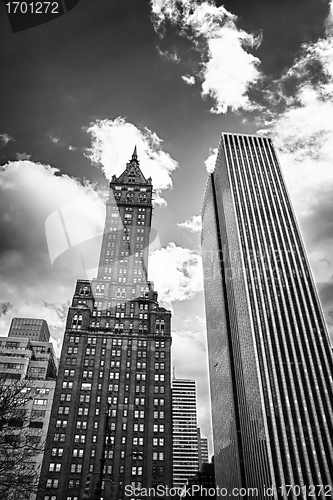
pixel 32 7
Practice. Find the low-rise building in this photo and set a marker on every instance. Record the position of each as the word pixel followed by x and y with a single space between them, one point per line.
pixel 32 366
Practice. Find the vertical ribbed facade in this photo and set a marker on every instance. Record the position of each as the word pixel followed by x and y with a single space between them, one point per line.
pixel 185 437
pixel 270 356
pixel 111 416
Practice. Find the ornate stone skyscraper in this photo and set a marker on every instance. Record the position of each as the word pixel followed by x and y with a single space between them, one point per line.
pixel 111 418
pixel 270 355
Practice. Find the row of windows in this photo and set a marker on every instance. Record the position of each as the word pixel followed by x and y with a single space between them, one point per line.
pixel 138 401
pixel 79 453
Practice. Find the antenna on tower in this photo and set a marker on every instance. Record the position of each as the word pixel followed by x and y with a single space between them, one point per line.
pixel 135 154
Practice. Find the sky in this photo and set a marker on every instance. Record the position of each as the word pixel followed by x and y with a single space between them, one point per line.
pixel 79 92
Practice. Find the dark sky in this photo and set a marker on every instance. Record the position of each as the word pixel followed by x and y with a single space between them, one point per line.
pixel 100 61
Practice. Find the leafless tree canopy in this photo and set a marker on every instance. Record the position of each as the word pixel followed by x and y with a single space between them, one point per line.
pixel 20 442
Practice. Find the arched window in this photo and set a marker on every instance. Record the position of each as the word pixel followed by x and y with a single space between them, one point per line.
pixel 140 328
pixel 157 325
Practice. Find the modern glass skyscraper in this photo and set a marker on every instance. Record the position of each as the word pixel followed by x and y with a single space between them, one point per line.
pixel 111 423
pixel 185 435
pixel 270 356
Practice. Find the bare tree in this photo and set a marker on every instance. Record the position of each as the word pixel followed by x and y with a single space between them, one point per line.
pixel 20 443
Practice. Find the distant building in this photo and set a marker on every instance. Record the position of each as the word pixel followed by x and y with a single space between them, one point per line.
pixel 185 437
pixel 202 449
pixel 270 355
pixel 31 328
pixel 202 484
pixel 34 362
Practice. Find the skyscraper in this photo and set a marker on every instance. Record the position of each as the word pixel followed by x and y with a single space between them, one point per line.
pixel 202 449
pixel 111 416
pixel 185 437
pixel 270 356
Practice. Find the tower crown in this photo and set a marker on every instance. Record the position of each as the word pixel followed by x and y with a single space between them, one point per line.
pixel 135 155
pixel 132 173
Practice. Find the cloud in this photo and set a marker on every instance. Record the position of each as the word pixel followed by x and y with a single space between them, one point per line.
pixel 29 193
pixel 60 142
pixel 299 119
pixel 23 156
pixel 193 224
pixel 211 160
pixel 113 142
pixel 176 273
pixel 189 79
pixel 4 139
pixel 325 290
pixel 228 68
pixel 169 56
pixel 38 276
pixel 54 139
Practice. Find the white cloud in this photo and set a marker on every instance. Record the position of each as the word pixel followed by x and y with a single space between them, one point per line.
pixel 23 156
pixel 54 139
pixel 29 193
pixel 113 142
pixel 193 224
pixel 176 273
pixel 5 138
pixel 169 56
pixel 303 135
pixel 189 79
pixel 230 71
pixel 211 160
pixel 303 131
pixel 228 68
pixel 59 142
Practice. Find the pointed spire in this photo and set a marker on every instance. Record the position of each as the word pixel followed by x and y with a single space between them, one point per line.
pixel 135 154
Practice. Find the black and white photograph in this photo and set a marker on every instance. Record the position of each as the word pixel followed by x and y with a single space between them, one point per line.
pixel 166 249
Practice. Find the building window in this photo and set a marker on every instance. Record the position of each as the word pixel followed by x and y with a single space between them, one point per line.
pixel 77 321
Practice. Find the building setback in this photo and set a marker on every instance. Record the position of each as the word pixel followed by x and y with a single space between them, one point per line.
pixel 113 395
pixel 270 356
pixel 185 437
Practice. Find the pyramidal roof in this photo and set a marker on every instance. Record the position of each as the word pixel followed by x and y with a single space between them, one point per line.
pixel 132 174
